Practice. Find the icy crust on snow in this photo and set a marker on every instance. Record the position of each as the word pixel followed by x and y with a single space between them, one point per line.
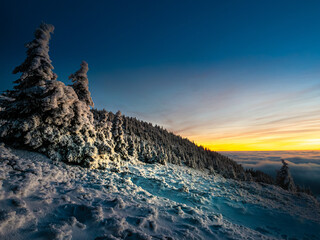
pixel 44 200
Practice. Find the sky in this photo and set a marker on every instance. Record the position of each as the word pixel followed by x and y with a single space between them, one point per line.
pixel 229 75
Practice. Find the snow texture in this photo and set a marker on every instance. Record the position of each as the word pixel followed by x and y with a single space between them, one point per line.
pixel 44 200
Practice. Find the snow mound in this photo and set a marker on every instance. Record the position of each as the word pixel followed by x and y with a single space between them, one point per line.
pixel 40 199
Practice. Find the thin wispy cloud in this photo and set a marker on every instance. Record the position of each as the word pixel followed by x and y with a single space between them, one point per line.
pixel 289 118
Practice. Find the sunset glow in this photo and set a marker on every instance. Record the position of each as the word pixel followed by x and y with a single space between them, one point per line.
pixel 303 135
pixel 249 144
pixel 286 120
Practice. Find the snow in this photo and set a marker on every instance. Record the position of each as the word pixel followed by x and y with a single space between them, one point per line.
pixel 41 199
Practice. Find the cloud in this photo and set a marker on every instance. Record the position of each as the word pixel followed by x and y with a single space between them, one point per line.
pixel 304 165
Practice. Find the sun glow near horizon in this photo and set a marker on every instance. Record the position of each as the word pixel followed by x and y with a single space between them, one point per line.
pixel 299 132
pixel 301 143
pixel 274 146
pixel 275 121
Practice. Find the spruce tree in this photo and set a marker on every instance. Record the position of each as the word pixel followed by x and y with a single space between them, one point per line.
pixel 118 136
pixel 284 178
pixel 21 110
pixel 132 147
pixel 43 113
pixel 80 84
pixel 35 71
pixel 37 67
pixel 104 141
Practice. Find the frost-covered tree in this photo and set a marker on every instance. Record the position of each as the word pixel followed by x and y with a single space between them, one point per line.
pixel 80 84
pixel 37 67
pixel 145 154
pixel 43 113
pixel 35 71
pixel 118 136
pixel 162 156
pixel 28 94
pixel 132 148
pixel 104 140
pixel 284 178
pixel 102 124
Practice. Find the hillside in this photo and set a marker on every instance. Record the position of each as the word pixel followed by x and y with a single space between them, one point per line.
pixel 40 199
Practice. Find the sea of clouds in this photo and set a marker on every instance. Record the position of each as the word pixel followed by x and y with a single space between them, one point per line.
pixel 304 165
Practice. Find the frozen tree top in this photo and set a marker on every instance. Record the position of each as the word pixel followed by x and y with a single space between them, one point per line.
pixel 81 74
pixel 80 84
pixel 38 61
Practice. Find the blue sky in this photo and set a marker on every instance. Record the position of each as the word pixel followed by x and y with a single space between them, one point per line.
pixel 227 74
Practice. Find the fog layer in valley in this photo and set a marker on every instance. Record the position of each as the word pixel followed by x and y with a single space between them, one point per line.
pixel 304 165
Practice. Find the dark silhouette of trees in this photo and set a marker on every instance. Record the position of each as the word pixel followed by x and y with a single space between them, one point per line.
pixel 284 178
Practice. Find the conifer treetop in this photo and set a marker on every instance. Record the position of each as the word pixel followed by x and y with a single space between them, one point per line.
pixel 81 74
pixel 38 62
pixel 80 84
pixel 284 178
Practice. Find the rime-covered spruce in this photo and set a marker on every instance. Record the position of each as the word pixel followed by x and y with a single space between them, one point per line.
pixel 45 115
pixel 284 178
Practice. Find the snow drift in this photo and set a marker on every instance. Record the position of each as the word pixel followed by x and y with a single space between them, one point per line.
pixel 44 200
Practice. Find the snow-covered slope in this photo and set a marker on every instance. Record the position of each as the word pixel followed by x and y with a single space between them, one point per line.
pixel 45 200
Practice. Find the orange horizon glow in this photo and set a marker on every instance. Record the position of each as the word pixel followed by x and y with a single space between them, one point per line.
pixel 221 147
pixel 243 144
pixel 287 136
pixel 280 124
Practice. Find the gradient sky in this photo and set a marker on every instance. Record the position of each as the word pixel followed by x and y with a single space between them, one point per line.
pixel 230 75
